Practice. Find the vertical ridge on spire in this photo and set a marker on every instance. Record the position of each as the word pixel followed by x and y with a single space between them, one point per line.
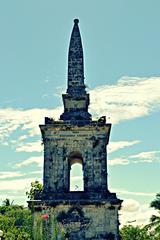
pixel 75 61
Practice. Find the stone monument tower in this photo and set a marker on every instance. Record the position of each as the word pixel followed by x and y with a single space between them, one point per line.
pixel 92 213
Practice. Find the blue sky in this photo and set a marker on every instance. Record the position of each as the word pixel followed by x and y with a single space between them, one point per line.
pixel 122 55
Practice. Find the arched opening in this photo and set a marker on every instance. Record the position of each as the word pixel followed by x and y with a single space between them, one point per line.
pixel 76 177
pixel 76 182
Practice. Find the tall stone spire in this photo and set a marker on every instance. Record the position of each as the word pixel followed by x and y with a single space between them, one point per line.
pixel 75 61
pixel 76 100
pixel 90 212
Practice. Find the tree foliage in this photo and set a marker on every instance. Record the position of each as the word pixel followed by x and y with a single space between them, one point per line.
pixel 7 202
pixel 15 222
pixel 35 191
pixel 156 202
pixel 129 232
pixel 154 226
pixel 149 232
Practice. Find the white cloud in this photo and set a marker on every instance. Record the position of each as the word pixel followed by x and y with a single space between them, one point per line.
pixel 36 172
pixel 130 98
pixel 76 183
pixel 75 178
pixel 16 189
pixel 126 192
pixel 14 197
pixel 38 160
pixel 27 121
pixel 23 137
pixel 143 161
pixel 4 175
pixel 118 161
pixel 30 147
pixel 144 155
pixel 134 213
pixel 130 205
pixel 16 185
pixel 114 146
pixel 125 161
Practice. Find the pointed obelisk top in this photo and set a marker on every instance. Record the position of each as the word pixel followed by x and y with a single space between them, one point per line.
pixel 75 62
pixel 76 100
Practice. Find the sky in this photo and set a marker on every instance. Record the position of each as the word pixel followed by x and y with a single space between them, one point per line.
pixel 122 56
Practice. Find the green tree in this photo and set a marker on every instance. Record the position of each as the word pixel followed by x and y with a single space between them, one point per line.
pixel 154 226
pixel 15 222
pixel 156 202
pixel 7 202
pixel 129 232
pixel 35 191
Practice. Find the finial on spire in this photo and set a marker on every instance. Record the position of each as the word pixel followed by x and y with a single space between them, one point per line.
pixel 76 21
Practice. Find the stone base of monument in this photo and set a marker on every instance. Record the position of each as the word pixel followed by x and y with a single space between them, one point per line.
pixel 75 220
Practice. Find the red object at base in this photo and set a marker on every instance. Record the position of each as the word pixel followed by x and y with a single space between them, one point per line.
pixel 45 216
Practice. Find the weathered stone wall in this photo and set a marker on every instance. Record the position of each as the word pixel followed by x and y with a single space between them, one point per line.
pixel 62 141
pixel 90 214
pixel 76 103
pixel 81 222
